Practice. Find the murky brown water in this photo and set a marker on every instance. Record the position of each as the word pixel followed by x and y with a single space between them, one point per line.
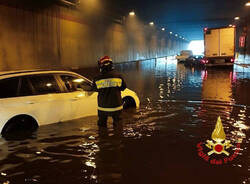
pixel 155 144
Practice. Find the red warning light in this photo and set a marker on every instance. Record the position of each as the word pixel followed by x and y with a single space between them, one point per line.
pixel 205 29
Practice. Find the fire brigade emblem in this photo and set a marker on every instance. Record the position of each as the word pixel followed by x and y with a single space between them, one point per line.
pixel 218 146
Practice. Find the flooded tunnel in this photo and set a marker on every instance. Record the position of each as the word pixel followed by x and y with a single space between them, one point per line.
pixel 193 122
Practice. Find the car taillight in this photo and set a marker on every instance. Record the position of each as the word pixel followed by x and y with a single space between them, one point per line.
pixel 232 60
pixel 204 61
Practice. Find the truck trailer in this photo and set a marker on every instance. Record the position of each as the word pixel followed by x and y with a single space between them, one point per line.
pixel 219 46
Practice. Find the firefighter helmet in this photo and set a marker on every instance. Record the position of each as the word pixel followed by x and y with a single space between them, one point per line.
pixel 105 64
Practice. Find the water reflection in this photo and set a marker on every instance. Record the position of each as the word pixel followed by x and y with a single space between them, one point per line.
pixel 155 144
pixel 217 85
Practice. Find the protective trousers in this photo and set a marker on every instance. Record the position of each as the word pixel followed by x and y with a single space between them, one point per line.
pixel 103 117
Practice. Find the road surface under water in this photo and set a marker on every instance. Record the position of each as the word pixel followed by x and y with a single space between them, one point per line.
pixel 162 142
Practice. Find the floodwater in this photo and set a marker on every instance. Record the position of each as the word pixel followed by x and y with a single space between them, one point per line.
pixel 157 143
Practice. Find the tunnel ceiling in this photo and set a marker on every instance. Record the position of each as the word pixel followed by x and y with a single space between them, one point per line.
pixel 185 17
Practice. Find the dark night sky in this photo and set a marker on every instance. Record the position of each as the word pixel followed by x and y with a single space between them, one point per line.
pixel 185 17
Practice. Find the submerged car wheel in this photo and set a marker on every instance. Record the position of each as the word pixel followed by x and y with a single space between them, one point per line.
pixel 20 124
pixel 128 102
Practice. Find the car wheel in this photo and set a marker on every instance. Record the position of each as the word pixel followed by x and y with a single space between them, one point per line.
pixel 128 102
pixel 19 124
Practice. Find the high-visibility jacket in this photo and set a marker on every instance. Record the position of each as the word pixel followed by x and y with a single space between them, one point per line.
pixel 109 86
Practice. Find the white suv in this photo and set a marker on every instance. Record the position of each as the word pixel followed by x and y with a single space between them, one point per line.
pixel 29 99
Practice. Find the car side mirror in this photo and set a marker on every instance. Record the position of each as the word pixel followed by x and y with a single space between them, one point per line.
pixel 86 88
pixel 79 89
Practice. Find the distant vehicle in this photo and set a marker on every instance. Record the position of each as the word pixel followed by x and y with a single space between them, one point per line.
pixel 199 60
pixel 198 57
pixel 184 56
pixel 32 98
pixel 219 46
pixel 195 60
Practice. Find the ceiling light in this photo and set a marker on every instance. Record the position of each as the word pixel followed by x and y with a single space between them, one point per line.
pixel 132 13
pixel 171 33
pixel 247 4
pixel 176 35
pixel 163 29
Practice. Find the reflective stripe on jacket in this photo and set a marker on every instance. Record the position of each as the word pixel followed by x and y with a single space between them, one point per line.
pixel 110 109
pixel 109 86
pixel 108 83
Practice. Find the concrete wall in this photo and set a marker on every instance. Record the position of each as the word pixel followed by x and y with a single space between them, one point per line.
pixel 63 37
pixel 243 29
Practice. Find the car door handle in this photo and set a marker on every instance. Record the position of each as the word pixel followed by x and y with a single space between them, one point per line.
pixel 30 102
pixel 74 99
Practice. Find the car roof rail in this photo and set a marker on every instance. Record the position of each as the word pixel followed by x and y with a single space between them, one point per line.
pixel 26 71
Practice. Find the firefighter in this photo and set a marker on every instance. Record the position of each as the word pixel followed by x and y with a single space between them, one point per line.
pixel 109 85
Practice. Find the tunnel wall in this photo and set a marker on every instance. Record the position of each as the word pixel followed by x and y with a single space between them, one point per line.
pixel 243 29
pixel 63 37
